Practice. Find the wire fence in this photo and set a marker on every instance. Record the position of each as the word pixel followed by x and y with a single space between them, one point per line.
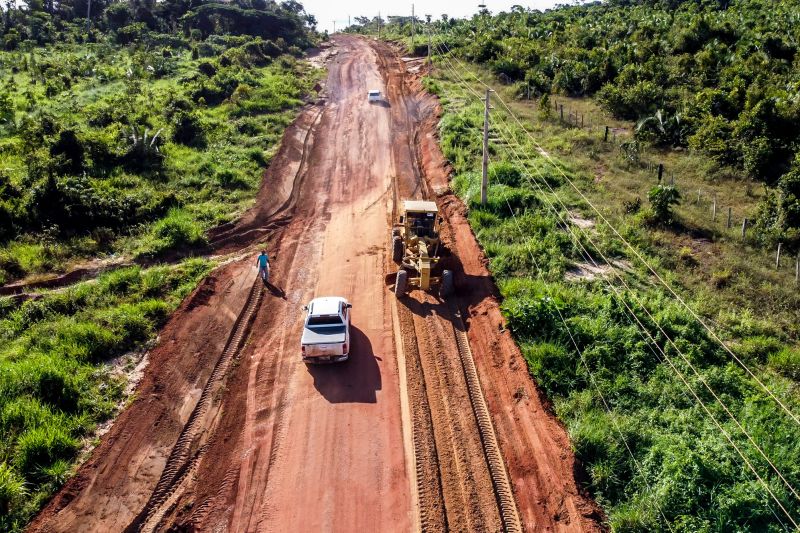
pixel 724 219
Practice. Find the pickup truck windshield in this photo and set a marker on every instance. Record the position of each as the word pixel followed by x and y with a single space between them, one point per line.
pixel 325 320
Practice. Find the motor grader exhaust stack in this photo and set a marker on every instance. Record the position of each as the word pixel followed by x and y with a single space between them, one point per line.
pixel 416 247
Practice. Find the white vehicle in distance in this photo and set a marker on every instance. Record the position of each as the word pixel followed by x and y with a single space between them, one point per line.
pixel 326 332
pixel 374 95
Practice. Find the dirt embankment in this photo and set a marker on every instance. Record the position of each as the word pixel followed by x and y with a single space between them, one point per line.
pixel 535 445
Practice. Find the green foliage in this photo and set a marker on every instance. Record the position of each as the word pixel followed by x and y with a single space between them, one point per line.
pixel 53 387
pixel 177 229
pixel 143 129
pixel 652 457
pixel 718 77
pixel 662 199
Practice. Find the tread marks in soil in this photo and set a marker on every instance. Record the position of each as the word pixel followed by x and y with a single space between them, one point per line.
pixel 180 461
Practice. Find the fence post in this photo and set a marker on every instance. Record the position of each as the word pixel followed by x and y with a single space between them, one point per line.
pixel 744 227
pixel 581 120
pixel 699 192
pixel 555 105
pixel 562 112
pixel 714 209
pixel 797 268
pixel 605 135
pixel 778 256
pixel 660 171
pixel 729 218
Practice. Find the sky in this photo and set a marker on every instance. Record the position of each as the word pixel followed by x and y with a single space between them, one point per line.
pixel 327 11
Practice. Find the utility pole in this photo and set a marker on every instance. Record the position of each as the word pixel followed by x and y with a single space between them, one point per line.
pixel 485 167
pixel 428 27
pixel 348 21
pixel 412 27
pixel 88 15
pixel 334 26
pixel 379 25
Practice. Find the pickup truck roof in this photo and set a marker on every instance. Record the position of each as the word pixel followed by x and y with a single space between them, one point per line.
pixel 327 305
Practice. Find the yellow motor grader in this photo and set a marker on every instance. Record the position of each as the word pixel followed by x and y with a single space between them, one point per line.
pixel 416 247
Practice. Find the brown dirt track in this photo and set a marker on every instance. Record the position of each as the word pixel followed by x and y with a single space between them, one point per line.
pixel 242 436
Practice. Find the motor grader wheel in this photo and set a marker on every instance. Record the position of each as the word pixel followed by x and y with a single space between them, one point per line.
pixel 447 287
pixel 397 249
pixel 401 283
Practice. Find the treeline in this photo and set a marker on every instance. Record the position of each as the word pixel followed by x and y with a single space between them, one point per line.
pixel 716 76
pixel 38 22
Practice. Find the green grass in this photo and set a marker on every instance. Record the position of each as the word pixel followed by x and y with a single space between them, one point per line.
pixel 55 384
pixel 654 458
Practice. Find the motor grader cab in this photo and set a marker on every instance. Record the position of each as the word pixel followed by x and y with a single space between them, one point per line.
pixel 416 248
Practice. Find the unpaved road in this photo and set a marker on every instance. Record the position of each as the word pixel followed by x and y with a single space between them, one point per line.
pixel 230 431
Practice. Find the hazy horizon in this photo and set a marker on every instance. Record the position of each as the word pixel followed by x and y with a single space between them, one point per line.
pixel 326 11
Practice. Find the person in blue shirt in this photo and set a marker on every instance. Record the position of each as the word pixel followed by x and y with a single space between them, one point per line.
pixel 263 266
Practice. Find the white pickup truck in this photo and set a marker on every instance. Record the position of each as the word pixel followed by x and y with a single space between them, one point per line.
pixel 326 332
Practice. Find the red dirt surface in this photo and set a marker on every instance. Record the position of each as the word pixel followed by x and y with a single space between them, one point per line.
pixel 230 431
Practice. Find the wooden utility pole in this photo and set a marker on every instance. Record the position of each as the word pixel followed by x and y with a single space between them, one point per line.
pixel 88 15
pixel 485 166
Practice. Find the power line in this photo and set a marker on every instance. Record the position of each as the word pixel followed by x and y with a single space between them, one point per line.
pixel 680 375
pixel 630 246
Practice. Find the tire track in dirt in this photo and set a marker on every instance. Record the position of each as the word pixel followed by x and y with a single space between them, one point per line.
pixel 194 432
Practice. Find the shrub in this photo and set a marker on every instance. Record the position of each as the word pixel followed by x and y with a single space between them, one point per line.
pixel 505 173
pixel 189 130
pixel 721 278
pixel 553 366
pixel 177 229
pixel 662 199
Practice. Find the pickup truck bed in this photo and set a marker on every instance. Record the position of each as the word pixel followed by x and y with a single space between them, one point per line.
pixel 322 335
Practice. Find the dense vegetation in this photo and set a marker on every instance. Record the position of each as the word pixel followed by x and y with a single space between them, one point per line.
pixel 122 137
pixel 720 77
pixel 655 459
pixel 127 140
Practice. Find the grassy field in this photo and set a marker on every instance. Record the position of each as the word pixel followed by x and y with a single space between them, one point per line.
pixel 660 415
pixel 135 151
pixel 56 383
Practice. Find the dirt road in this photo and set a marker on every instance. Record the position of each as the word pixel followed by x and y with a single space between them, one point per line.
pixel 232 432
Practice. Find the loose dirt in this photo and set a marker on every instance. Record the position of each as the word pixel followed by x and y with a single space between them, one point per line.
pixel 230 431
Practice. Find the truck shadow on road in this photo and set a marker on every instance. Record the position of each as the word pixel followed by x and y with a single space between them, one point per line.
pixel 355 381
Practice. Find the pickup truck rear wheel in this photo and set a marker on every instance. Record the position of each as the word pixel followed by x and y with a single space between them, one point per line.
pixel 401 283
pixel 397 249
pixel 448 287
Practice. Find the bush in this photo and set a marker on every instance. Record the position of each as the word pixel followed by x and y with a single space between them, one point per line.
pixel 662 198
pixel 177 229
pixel 189 130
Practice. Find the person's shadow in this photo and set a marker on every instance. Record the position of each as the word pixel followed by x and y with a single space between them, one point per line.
pixel 354 381
pixel 275 290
